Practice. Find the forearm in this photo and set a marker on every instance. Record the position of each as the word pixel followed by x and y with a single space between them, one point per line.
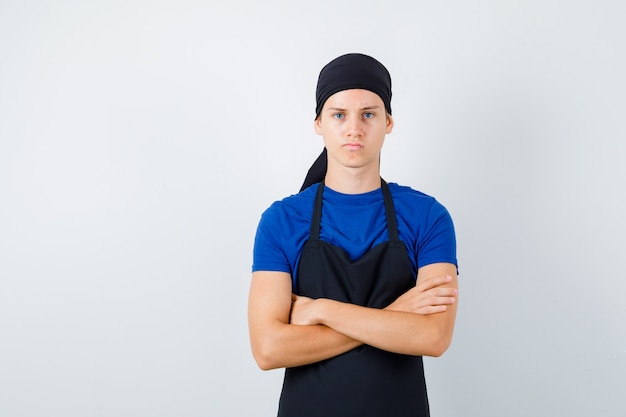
pixel 419 322
pixel 394 331
pixel 288 331
pixel 289 345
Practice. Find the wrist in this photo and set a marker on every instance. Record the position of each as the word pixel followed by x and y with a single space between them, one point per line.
pixel 322 310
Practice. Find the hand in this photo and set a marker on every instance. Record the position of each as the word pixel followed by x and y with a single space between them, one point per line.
pixel 427 297
pixel 303 310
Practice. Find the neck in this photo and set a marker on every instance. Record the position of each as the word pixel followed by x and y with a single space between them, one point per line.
pixel 352 180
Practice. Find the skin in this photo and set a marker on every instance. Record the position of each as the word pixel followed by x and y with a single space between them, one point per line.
pixel 353 124
pixel 288 330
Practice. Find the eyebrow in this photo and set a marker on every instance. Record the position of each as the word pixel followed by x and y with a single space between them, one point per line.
pixel 375 107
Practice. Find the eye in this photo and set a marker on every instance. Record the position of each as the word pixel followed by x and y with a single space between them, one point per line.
pixel 368 115
pixel 338 116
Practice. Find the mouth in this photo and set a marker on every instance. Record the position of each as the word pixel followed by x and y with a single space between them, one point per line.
pixel 353 145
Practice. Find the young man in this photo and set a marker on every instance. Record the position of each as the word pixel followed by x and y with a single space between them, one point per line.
pixel 354 279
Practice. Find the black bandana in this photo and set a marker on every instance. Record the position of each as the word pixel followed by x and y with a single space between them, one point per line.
pixel 353 71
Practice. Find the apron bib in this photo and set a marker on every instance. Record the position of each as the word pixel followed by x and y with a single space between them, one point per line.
pixel 365 381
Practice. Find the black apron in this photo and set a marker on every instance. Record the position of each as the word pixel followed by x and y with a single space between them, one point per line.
pixel 365 381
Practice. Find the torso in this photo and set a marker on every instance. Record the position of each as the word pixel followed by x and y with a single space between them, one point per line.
pixel 365 381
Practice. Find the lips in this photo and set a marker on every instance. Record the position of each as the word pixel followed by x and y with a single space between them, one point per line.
pixel 353 145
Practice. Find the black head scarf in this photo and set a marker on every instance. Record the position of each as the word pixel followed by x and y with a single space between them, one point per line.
pixel 347 72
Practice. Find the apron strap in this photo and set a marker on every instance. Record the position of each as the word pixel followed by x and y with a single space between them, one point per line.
pixel 390 212
pixel 317 213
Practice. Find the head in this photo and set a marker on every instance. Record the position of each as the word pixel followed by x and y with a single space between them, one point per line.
pixel 343 77
pixel 353 124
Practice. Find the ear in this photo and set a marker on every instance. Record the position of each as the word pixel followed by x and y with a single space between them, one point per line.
pixel 389 124
pixel 317 125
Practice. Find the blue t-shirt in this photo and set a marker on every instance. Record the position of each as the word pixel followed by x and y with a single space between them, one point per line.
pixel 356 223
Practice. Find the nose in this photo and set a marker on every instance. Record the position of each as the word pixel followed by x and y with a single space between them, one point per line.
pixel 354 127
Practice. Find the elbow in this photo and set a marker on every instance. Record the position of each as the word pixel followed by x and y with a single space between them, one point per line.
pixel 438 349
pixel 264 356
pixel 440 343
pixel 440 339
pixel 437 345
pixel 264 363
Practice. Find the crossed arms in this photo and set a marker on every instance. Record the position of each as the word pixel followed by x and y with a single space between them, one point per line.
pixel 288 330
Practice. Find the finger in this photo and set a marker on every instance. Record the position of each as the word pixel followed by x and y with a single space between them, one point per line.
pixel 432 309
pixel 442 292
pixel 433 282
pixel 438 301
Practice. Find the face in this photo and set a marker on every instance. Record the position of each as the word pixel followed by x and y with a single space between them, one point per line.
pixel 353 124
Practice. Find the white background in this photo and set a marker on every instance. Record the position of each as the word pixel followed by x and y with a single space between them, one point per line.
pixel 141 140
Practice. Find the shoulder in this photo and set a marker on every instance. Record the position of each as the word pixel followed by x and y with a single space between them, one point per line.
pixel 407 196
pixel 282 231
pixel 294 208
pixel 418 209
pixel 407 192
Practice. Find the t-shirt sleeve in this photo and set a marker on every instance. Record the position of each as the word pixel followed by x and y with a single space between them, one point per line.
pixel 268 253
pixel 437 243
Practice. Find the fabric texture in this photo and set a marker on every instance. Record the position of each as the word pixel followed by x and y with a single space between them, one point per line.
pixel 317 172
pixel 353 71
pixel 355 223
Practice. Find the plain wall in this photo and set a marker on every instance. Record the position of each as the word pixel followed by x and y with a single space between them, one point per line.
pixel 140 142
